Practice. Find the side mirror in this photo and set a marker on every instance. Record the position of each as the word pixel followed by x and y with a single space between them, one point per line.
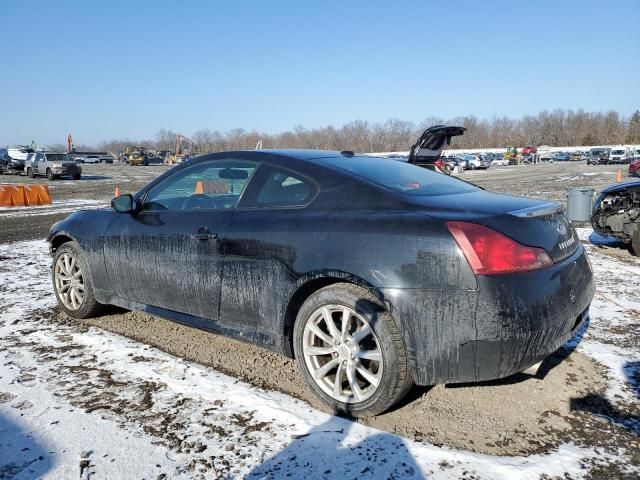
pixel 123 203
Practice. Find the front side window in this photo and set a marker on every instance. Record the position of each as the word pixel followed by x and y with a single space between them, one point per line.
pixel 212 185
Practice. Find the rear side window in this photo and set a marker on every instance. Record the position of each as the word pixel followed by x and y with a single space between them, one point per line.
pixel 400 177
pixel 277 187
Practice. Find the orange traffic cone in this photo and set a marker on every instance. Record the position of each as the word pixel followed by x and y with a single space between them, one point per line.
pixel 619 175
pixel 117 191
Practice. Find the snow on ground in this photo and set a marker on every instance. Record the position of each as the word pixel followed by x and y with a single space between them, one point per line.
pixel 57 206
pixel 614 311
pixel 83 402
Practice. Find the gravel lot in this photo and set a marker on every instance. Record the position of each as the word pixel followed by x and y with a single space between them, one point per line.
pixel 519 415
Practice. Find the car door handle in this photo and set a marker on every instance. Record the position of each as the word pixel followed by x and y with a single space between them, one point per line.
pixel 204 236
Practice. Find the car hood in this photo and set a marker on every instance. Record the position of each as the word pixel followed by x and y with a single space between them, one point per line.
pixel 620 186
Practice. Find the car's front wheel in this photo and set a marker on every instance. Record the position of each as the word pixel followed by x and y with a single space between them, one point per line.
pixel 350 351
pixel 72 282
pixel 50 174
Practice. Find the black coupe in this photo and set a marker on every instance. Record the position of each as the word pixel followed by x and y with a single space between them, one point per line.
pixel 374 274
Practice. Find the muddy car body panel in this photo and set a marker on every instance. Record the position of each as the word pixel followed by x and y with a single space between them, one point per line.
pixel 244 271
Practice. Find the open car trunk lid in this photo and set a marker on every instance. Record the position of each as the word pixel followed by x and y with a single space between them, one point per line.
pixel 433 140
pixel 529 221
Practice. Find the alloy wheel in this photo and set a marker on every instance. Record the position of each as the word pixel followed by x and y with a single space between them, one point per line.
pixel 69 281
pixel 342 353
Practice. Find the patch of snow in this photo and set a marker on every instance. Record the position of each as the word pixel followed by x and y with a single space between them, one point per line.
pixel 156 413
pixel 57 206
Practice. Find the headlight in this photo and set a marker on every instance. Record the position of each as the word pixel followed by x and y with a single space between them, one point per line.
pixel 56 165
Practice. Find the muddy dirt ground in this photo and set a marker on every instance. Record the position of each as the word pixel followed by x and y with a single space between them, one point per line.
pixel 519 415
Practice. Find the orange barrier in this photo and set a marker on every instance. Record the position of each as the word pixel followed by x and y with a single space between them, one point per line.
pixel 24 195
pixel 37 195
pixel 211 187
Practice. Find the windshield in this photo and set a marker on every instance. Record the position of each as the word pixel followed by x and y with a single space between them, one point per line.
pixel 617 152
pixel 58 157
pixel 399 177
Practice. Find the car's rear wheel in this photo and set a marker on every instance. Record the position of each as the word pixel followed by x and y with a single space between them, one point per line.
pixel 30 173
pixel 350 351
pixel 72 282
pixel 77 176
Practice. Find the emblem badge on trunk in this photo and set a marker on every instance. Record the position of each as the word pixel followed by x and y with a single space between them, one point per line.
pixel 562 230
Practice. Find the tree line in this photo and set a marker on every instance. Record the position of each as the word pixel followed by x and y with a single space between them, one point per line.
pixel 554 128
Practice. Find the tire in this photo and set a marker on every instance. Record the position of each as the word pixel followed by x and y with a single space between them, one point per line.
pixel 635 242
pixel 50 174
pixel 30 173
pixel 77 176
pixel 82 304
pixel 391 372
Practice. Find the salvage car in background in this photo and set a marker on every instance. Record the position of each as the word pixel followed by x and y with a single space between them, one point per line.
pixel 374 274
pixel 620 155
pixel 599 156
pixel 53 165
pixel 634 167
pixel 616 213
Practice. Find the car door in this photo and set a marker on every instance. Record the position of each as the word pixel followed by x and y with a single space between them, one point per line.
pixel 37 163
pixel 170 253
pixel 260 257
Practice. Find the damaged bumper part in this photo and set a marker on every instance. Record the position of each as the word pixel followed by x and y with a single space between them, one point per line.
pixel 616 213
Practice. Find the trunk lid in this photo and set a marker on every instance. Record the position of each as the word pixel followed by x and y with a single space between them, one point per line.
pixel 529 221
pixel 433 140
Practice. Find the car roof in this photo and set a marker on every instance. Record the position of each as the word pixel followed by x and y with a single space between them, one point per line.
pixel 305 154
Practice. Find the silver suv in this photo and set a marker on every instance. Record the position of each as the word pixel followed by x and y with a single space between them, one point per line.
pixel 53 165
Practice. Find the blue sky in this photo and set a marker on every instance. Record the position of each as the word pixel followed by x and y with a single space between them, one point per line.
pixel 117 69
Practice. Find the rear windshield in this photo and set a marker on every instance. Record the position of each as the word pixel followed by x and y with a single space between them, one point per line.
pixel 58 157
pixel 398 176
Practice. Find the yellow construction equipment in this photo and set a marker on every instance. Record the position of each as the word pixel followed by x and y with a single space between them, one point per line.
pixel 135 155
pixel 512 155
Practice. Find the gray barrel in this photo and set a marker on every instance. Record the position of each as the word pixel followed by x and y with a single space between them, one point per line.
pixel 579 202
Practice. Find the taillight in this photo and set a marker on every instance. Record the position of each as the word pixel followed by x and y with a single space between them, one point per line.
pixel 492 253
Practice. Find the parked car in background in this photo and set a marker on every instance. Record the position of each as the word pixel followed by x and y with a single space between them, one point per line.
pixel 53 165
pixel 507 277
pixel 576 156
pixel 561 157
pixel 473 162
pixel 4 160
pixel 634 167
pixel 598 156
pixel 616 213
pixel 15 158
pixel 544 152
pixel 91 159
pixel 500 162
pixel 529 150
pixel 620 155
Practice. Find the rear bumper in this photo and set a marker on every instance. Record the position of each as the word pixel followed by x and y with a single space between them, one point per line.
pixel 508 324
